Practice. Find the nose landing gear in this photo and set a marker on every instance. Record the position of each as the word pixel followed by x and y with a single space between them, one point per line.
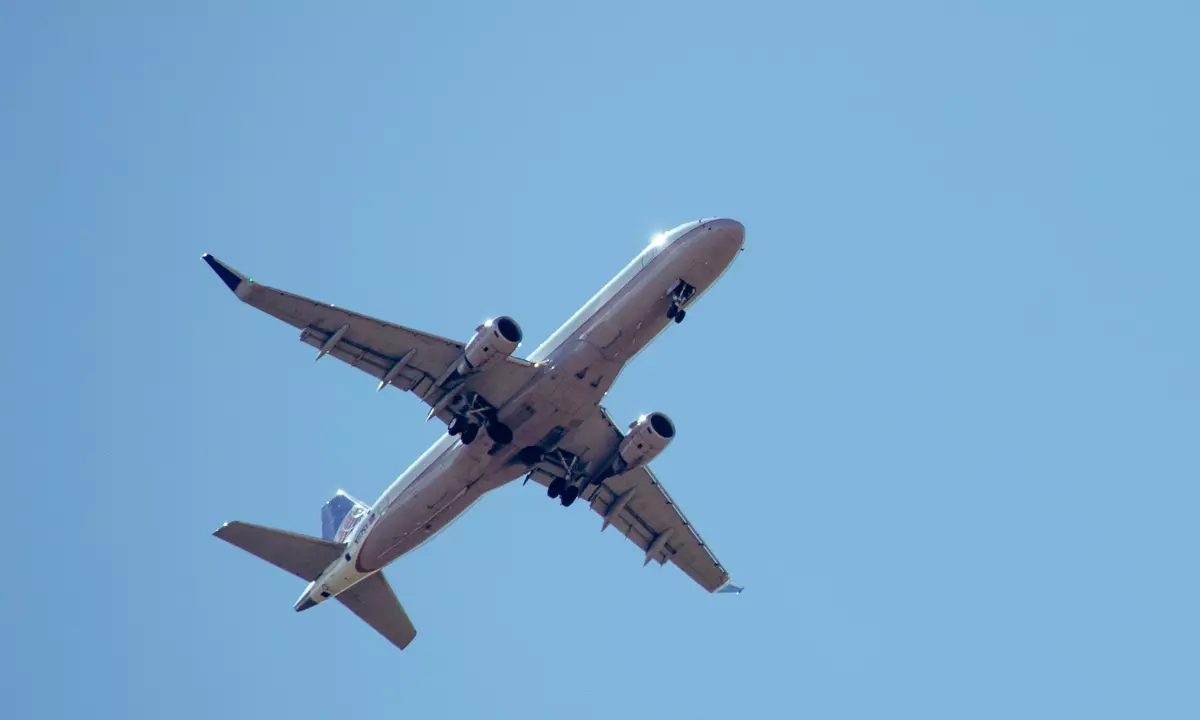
pixel 681 295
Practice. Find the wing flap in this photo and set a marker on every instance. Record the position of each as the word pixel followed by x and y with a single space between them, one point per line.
pixel 373 601
pixel 649 514
pixel 376 347
pixel 381 344
pixel 303 556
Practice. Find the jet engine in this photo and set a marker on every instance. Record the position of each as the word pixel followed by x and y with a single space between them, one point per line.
pixel 647 437
pixel 498 336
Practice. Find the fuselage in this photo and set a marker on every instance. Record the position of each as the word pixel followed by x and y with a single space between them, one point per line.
pixel 576 366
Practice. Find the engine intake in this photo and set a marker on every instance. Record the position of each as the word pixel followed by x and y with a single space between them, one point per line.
pixel 647 437
pixel 498 336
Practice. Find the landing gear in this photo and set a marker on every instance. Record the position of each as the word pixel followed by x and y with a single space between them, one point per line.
pixel 500 433
pixel 531 455
pixel 565 493
pixel 464 427
pixel 475 415
pixel 565 486
pixel 681 294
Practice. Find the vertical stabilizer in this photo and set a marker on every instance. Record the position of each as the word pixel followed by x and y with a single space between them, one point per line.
pixel 340 515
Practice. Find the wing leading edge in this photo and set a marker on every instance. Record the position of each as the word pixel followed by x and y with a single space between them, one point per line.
pixel 396 355
pixel 638 506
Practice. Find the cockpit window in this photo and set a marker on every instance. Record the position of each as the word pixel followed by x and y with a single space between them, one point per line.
pixel 675 233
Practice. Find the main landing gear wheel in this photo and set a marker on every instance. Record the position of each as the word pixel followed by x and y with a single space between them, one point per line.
pixel 500 433
pixel 679 316
pixel 557 485
pixel 568 495
pixel 469 433
pixel 457 425
pixel 673 310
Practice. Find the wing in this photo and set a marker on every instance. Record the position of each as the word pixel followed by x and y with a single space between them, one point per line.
pixel 395 355
pixel 638 505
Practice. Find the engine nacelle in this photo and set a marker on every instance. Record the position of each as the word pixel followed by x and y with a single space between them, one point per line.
pixel 496 337
pixel 648 437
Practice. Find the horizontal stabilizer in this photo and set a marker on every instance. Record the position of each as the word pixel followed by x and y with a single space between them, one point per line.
pixel 303 556
pixel 373 601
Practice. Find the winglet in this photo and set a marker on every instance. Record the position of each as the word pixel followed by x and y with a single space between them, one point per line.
pixel 730 588
pixel 232 278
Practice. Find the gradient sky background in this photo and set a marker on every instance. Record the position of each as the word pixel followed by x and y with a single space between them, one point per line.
pixel 940 418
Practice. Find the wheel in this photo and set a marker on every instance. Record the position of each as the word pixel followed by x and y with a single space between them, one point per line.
pixel 680 315
pixel 557 485
pixel 469 434
pixel 569 495
pixel 673 311
pixel 531 455
pixel 456 426
pixel 500 433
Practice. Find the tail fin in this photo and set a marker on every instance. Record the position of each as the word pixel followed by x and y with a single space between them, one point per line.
pixel 303 556
pixel 340 515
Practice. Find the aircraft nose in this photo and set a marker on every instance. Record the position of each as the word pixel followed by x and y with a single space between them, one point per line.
pixel 722 238
pixel 726 230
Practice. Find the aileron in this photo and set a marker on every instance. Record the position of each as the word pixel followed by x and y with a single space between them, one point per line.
pixel 637 504
pixel 399 356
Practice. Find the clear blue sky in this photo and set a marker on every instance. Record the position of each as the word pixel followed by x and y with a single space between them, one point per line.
pixel 940 418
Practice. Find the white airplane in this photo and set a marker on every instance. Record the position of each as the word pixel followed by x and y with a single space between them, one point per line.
pixel 540 417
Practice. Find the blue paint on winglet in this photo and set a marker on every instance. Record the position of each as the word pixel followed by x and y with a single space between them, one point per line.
pixel 230 278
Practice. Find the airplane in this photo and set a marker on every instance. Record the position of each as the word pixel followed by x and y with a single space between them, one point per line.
pixel 506 417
